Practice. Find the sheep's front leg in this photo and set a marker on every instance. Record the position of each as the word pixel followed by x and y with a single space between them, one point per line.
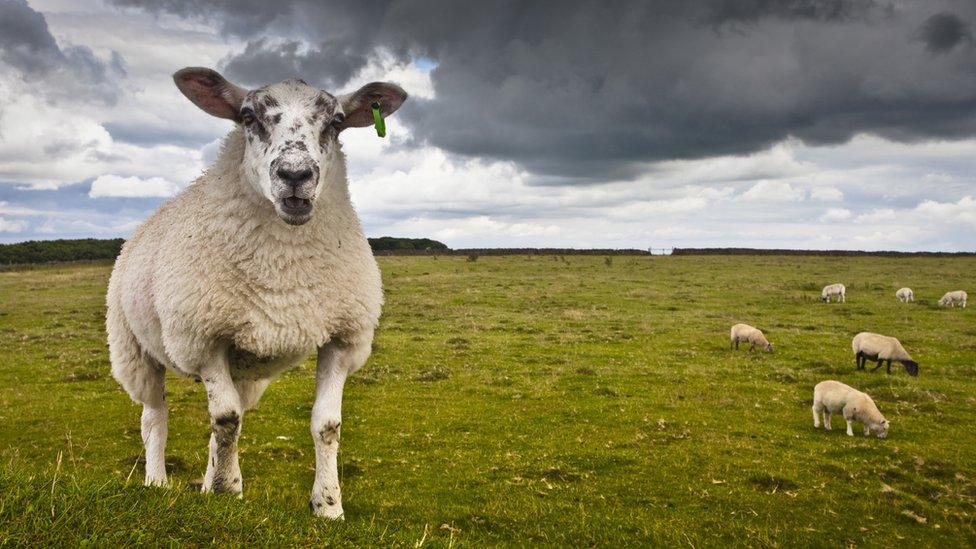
pixel 336 361
pixel 850 415
pixel 223 469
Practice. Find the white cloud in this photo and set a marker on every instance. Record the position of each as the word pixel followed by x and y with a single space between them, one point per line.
pixel 962 211
pixel 131 187
pixel 12 225
pixel 384 66
pixel 827 194
pixel 876 215
pixel 835 214
pixel 773 191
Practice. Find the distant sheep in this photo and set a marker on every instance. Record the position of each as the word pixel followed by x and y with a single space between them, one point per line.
pixel 869 346
pixel 905 295
pixel 745 332
pixel 834 290
pixel 951 298
pixel 832 397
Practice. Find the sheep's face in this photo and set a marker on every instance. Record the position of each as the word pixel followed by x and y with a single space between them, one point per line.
pixel 881 429
pixel 291 132
pixel 290 143
pixel 769 347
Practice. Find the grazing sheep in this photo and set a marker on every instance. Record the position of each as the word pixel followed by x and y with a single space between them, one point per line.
pixel 951 298
pixel 868 346
pixel 258 263
pixel 905 295
pixel 834 290
pixel 831 397
pixel 745 332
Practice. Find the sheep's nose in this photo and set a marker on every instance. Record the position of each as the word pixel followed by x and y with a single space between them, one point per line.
pixel 294 177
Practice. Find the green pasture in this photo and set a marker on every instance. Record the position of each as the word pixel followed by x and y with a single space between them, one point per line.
pixel 527 400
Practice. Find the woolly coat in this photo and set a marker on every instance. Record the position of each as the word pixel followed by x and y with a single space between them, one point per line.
pixel 879 347
pixel 951 298
pixel 905 294
pixel 215 270
pixel 745 332
pixel 833 290
pixel 836 397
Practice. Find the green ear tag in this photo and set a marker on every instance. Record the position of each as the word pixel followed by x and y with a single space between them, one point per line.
pixel 378 120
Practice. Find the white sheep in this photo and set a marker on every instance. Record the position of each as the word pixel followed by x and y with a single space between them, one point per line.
pixel 834 290
pixel 905 295
pixel 257 264
pixel 832 397
pixel 745 332
pixel 869 346
pixel 951 298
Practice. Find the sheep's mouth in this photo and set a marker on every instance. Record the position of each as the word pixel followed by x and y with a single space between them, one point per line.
pixel 294 210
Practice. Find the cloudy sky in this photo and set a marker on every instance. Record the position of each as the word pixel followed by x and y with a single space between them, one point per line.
pixel 765 123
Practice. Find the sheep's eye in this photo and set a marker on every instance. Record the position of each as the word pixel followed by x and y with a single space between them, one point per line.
pixel 338 119
pixel 247 117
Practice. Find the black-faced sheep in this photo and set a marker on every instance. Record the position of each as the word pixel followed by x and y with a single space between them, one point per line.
pixel 869 346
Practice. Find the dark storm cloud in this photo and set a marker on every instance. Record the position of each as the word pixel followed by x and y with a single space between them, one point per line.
pixel 27 45
pixel 751 11
pixel 944 31
pixel 591 89
pixel 328 64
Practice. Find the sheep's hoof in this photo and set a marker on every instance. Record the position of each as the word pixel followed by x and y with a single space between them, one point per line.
pixel 157 482
pixel 324 510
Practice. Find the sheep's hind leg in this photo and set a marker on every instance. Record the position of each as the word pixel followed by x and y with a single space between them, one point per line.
pixel 224 403
pixel 816 415
pixel 826 414
pixel 145 381
pixel 336 361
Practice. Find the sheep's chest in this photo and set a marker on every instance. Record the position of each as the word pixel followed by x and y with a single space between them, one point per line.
pixel 292 310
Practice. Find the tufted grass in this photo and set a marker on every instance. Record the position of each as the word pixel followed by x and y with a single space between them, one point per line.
pixel 527 400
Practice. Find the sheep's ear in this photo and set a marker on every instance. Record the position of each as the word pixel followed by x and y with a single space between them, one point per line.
pixel 358 105
pixel 211 92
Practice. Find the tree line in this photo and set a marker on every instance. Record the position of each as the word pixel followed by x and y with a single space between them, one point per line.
pixel 92 249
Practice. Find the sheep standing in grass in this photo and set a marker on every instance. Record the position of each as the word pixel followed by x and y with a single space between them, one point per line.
pixel 745 332
pixel 905 295
pixel 253 267
pixel 832 397
pixel 951 298
pixel 834 290
pixel 869 346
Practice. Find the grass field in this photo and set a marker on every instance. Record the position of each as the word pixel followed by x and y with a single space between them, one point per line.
pixel 527 400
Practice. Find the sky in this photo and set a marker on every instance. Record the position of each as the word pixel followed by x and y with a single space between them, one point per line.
pixel 817 124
